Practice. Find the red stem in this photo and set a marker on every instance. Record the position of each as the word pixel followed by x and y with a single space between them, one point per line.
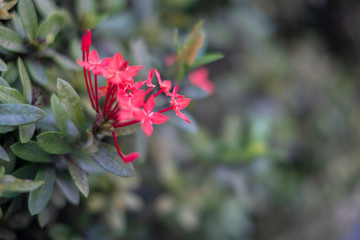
pixel 87 84
pixel 107 97
pixel 124 124
pixel 96 95
pixel 160 91
pixel 166 109
pixel 117 146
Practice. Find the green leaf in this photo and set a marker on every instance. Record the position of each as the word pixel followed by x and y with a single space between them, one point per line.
pixel 30 151
pixel 59 113
pixel 11 74
pixel 44 216
pixel 3 155
pixel 72 104
pixel 10 40
pixel 68 187
pixel 28 16
pixel 51 26
pixel 41 196
pixel 6 129
pixel 79 176
pixel 207 58
pixel 45 7
pixel 54 142
pixel 25 80
pixel 26 132
pixel 18 26
pixel 123 131
pixel 3 67
pixel 36 71
pixel 62 60
pixel 108 158
pixel 10 95
pixel 19 114
pixel 3 82
pixel 10 183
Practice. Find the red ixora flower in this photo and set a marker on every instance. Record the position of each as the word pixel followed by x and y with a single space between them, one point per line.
pixel 199 78
pixel 126 103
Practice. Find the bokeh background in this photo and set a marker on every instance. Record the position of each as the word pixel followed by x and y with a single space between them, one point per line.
pixel 272 154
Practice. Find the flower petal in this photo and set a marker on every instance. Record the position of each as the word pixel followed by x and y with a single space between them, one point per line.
pixel 149 105
pixel 147 127
pixel 158 118
pixel 131 157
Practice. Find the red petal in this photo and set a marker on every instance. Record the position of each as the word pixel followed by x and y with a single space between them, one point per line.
pixel 94 57
pixel 181 115
pixel 131 157
pixel 116 62
pixel 183 102
pixel 149 78
pixel 149 105
pixel 158 76
pixel 158 118
pixel 133 70
pixel 147 127
pixel 86 41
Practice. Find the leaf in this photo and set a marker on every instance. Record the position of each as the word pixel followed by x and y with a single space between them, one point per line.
pixel 108 158
pixel 5 15
pixel 26 132
pixel 3 82
pixel 25 80
pixel 10 183
pixel 44 216
pixel 7 234
pixel 123 131
pixel 11 74
pixel 36 71
pixel 41 196
pixel 3 67
pixel 45 7
pixel 51 26
pixel 19 114
pixel 72 104
pixel 3 155
pixel 10 95
pixel 63 60
pixel 59 113
pixel 11 40
pixel 79 176
pixel 6 129
pixel 207 58
pixel 54 142
pixel 18 25
pixel 28 16
pixel 68 188
pixel 30 151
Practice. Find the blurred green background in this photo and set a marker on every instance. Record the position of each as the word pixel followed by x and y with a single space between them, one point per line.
pixel 272 154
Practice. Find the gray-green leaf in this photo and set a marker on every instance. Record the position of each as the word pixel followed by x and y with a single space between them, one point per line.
pixel 3 155
pixel 41 196
pixel 207 58
pixel 79 176
pixel 59 113
pixel 72 104
pixel 45 7
pixel 30 151
pixel 28 16
pixel 19 114
pixel 25 80
pixel 51 26
pixel 3 67
pixel 11 40
pixel 10 95
pixel 36 71
pixel 108 158
pixel 11 74
pixel 26 132
pixel 54 142
pixel 68 187
pixel 10 183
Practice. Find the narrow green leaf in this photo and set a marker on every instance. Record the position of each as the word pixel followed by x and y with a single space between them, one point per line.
pixel 59 113
pixel 18 25
pixel 19 114
pixel 3 67
pixel 108 158
pixel 79 176
pixel 63 60
pixel 72 104
pixel 54 142
pixel 38 198
pixel 10 40
pixel 30 151
pixel 10 183
pixel 26 132
pixel 45 7
pixel 25 80
pixel 3 155
pixel 10 95
pixel 3 82
pixel 207 58
pixel 28 16
pixel 36 71
pixel 44 216
pixel 6 129
pixel 68 187
pixel 51 26
pixel 11 74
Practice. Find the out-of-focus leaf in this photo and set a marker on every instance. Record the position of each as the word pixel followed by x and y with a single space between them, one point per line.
pixel 72 104
pixel 3 155
pixel 10 183
pixel 3 67
pixel 10 95
pixel 108 158
pixel 11 74
pixel 38 198
pixel 1 213
pixel 11 40
pixel 62 60
pixel 6 129
pixel 28 16
pixel 25 80
pixel 123 131
pixel 207 58
pixel 58 231
pixel 30 151
pixel 26 132
pixel 44 216
pixel 59 113
pixel 51 26
pixel 19 114
pixel 45 7
pixel 90 146
pixel 27 172
pixel 79 176
pixel 18 25
pixel 68 188
pixel 3 82
pixel 36 71
pixel 54 142
pixel 7 234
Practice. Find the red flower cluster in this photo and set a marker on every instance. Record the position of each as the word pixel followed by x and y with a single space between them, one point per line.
pixel 126 103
